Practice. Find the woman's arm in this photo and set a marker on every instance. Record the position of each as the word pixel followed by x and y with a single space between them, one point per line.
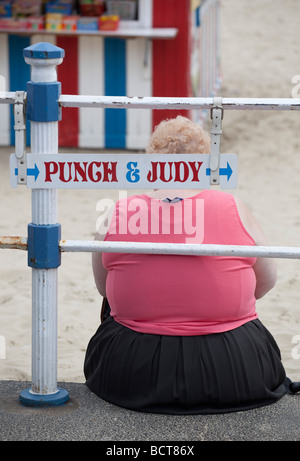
pixel 264 268
pixel 99 271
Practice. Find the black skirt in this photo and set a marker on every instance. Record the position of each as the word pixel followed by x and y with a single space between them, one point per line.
pixel 217 373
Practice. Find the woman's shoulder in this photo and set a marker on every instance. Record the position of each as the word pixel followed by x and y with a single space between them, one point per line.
pixel 218 196
pixel 249 222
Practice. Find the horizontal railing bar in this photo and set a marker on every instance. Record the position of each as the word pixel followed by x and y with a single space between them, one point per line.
pixel 96 246
pixel 122 102
pixel 7 97
pixel 179 249
pixel 17 243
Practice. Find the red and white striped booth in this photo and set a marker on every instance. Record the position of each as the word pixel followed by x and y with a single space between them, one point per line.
pixel 170 50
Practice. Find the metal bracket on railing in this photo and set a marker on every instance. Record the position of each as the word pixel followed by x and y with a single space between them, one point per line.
pixel 20 135
pixel 216 115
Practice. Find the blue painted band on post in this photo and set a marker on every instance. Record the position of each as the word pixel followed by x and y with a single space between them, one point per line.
pixel 37 400
pixel 42 102
pixel 43 50
pixel 43 246
pixel 115 83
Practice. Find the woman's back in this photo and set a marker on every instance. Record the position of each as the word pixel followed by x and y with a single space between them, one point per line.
pixel 178 294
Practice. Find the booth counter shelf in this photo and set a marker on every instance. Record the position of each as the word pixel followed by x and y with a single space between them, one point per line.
pixel 150 33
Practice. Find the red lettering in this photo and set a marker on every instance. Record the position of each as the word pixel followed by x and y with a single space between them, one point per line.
pixel 109 171
pixel 154 172
pixel 162 171
pixel 94 177
pixel 62 171
pixel 82 171
pixel 178 174
pixel 195 170
pixel 50 168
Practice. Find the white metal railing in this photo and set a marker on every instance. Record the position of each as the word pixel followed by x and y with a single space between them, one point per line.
pixel 180 249
pixel 147 102
pixel 95 246
pixel 7 97
pixel 120 102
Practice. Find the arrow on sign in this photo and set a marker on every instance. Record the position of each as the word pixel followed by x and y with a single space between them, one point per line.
pixel 223 171
pixel 30 171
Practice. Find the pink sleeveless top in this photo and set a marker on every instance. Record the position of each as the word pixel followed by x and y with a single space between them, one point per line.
pixel 179 294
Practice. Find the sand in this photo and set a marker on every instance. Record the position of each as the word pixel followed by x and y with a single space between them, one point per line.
pixel 259 57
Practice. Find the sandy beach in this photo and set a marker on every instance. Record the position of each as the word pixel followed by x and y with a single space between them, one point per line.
pixel 260 54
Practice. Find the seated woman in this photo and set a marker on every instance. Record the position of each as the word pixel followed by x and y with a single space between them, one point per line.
pixel 183 336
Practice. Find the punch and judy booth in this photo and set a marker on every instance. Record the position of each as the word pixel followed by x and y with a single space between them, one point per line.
pixel 164 48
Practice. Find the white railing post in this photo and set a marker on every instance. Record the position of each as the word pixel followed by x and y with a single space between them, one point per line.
pixel 44 112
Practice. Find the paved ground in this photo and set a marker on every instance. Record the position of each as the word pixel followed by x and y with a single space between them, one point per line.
pixel 87 418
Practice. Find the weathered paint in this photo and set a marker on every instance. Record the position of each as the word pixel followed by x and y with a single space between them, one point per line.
pixel 177 248
pixel 16 243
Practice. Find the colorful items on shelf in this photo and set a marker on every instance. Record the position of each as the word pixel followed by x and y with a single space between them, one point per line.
pixel 20 8
pixel 64 7
pixel 109 22
pixel 26 8
pixel 69 22
pixel 92 7
pixel 57 21
pixel 59 15
pixel 53 21
pixel 124 9
pixel 5 9
pixel 87 23
pixel 35 22
pixel 13 23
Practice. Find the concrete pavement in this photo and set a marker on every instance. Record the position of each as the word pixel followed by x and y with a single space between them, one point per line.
pixel 87 418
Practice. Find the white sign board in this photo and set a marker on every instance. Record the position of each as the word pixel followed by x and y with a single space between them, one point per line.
pixel 128 171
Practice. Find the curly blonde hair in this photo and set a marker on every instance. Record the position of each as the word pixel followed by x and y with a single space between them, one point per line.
pixel 178 136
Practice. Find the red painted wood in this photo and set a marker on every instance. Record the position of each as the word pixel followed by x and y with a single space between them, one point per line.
pixel 67 74
pixel 171 58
